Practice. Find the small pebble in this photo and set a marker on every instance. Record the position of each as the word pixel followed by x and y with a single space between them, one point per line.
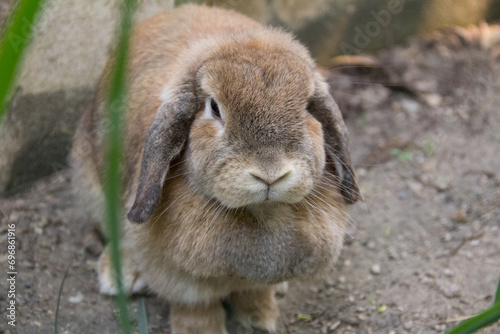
pixel 334 326
pixel 440 328
pixel 452 292
pixel 475 242
pixel 447 272
pixel 408 325
pixel 76 299
pixel 375 269
pixel 410 106
pixel 433 100
pixel 447 237
pixel 392 254
pixel 329 282
pixel 459 216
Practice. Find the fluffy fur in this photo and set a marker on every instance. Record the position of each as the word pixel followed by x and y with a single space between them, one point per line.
pixel 221 207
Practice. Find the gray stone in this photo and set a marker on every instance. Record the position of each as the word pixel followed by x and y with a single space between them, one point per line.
pixel 36 135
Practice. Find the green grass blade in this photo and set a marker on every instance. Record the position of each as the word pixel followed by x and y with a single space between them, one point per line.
pixel 17 35
pixel 483 319
pixel 497 298
pixel 178 3
pixel 116 102
pixel 59 301
pixel 142 316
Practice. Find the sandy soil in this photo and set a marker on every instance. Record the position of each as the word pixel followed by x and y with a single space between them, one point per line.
pixel 422 250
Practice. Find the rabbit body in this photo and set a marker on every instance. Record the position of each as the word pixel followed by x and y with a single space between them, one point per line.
pixel 236 172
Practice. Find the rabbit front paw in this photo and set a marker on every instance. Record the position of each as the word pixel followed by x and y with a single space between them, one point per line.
pixel 198 319
pixel 256 309
pixel 131 280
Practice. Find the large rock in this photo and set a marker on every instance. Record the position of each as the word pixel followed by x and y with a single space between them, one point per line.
pixel 73 40
pixel 334 27
pixel 37 134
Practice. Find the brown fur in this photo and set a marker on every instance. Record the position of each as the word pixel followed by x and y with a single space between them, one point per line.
pixel 255 308
pixel 199 319
pixel 198 183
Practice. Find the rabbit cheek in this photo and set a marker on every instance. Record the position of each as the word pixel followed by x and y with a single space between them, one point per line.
pixel 315 132
pixel 200 152
pixel 295 187
pixel 202 138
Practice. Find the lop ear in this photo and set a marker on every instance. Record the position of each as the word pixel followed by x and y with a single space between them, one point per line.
pixel 165 140
pixel 325 110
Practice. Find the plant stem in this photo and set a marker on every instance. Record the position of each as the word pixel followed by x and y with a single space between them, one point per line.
pixel 142 316
pixel 116 107
pixel 17 35
pixel 59 300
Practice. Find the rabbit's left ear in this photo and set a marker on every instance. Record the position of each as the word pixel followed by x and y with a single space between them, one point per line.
pixel 325 110
pixel 165 140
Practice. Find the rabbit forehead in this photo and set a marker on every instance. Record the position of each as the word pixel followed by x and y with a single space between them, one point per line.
pixel 264 102
pixel 256 75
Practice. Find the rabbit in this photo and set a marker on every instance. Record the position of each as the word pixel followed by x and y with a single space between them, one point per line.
pixel 236 171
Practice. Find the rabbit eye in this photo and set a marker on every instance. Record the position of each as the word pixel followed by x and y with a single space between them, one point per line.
pixel 215 108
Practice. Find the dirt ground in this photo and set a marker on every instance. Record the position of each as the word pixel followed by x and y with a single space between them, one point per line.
pixel 422 250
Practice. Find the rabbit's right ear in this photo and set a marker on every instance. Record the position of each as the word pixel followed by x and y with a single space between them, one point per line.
pixel 165 140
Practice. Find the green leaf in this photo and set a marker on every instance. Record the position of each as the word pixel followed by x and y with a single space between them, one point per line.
pixel 387 232
pixel 429 147
pixel 406 156
pixel 396 152
pixel 17 35
pixel 402 155
pixel 303 317
pixel 483 319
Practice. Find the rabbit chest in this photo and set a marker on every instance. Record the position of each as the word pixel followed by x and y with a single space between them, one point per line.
pixel 271 245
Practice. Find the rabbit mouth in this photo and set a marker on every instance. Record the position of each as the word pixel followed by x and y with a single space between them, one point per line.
pixel 286 185
pixel 265 197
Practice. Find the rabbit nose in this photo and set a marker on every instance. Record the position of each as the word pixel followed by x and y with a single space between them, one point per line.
pixel 269 180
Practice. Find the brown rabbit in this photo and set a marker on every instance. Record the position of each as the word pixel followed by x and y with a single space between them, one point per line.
pixel 236 171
